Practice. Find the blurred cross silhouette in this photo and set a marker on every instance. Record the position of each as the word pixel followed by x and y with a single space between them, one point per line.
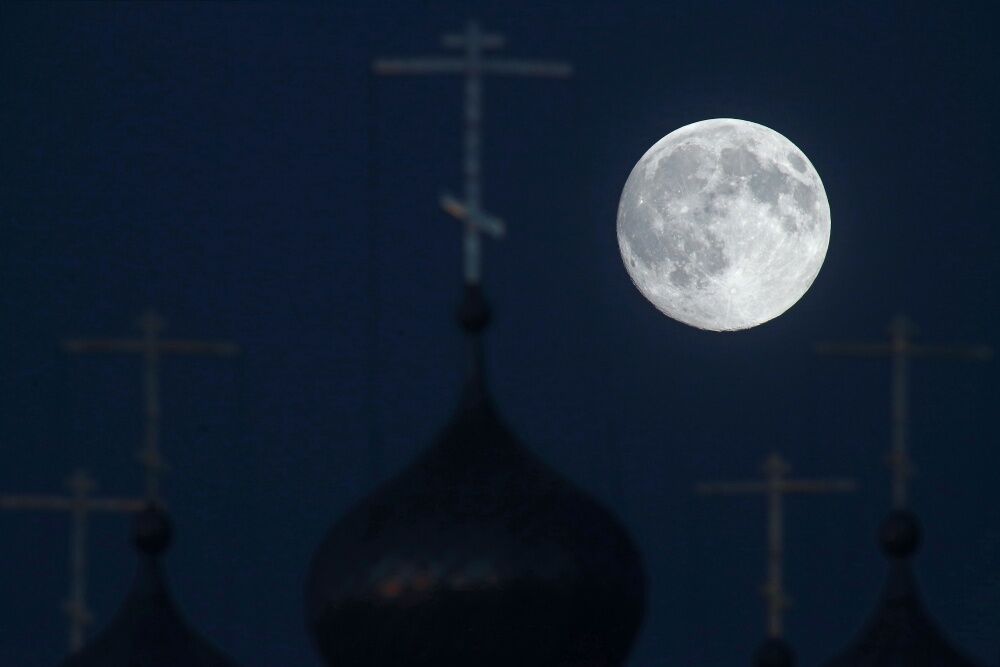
pixel 472 64
pixel 899 349
pixel 80 503
pixel 775 485
pixel 152 347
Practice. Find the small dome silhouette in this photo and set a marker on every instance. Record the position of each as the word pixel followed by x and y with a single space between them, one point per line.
pixel 148 631
pixel 474 312
pixel 476 554
pixel 152 531
pixel 900 631
pixel 899 534
pixel 774 652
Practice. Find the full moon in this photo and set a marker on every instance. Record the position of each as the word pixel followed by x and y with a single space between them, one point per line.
pixel 723 224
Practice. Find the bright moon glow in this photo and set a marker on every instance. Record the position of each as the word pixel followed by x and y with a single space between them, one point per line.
pixel 723 224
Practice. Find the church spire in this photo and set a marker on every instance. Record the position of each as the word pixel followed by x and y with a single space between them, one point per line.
pixel 148 629
pixel 900 631
pixel 477 533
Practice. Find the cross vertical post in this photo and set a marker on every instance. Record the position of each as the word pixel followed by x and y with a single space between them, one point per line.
pixel 774 486
pixel 79 504
pixel 81 485
pixel 152 347
pixel 152 325
pixel 472 65
pixel 774 588
pixel 900 463
pixel 899 349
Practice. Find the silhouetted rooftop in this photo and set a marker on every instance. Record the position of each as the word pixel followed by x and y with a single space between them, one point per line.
pixel 476 554
pixel 900 632
pixel 148 630
pixel 774 652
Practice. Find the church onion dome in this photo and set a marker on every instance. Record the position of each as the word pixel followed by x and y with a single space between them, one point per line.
pixel 774 652
pixel 900 632
pixel 148 631
pixel 476 554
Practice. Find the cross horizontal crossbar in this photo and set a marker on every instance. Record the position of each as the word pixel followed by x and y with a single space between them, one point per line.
pixel 68 503
pixel 439 65
pixel 484 41
pixel 872 350
pixel 139 346
pixel 899 350
pixel 783 486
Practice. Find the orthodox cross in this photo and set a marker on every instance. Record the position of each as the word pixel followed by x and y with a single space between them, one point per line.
pixel 152 347
pixel 473 64
pixel 80 503
pixel 899 349
pixel 775 485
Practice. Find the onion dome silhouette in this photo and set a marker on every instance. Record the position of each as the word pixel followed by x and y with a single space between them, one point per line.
pixel 148 631
pixel 900 631
pixel 476 554
pixel 774 652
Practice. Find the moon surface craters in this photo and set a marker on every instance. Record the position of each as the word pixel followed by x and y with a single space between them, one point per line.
pixel 723 224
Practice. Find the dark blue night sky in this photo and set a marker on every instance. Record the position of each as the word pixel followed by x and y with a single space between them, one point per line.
pixel 212 160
